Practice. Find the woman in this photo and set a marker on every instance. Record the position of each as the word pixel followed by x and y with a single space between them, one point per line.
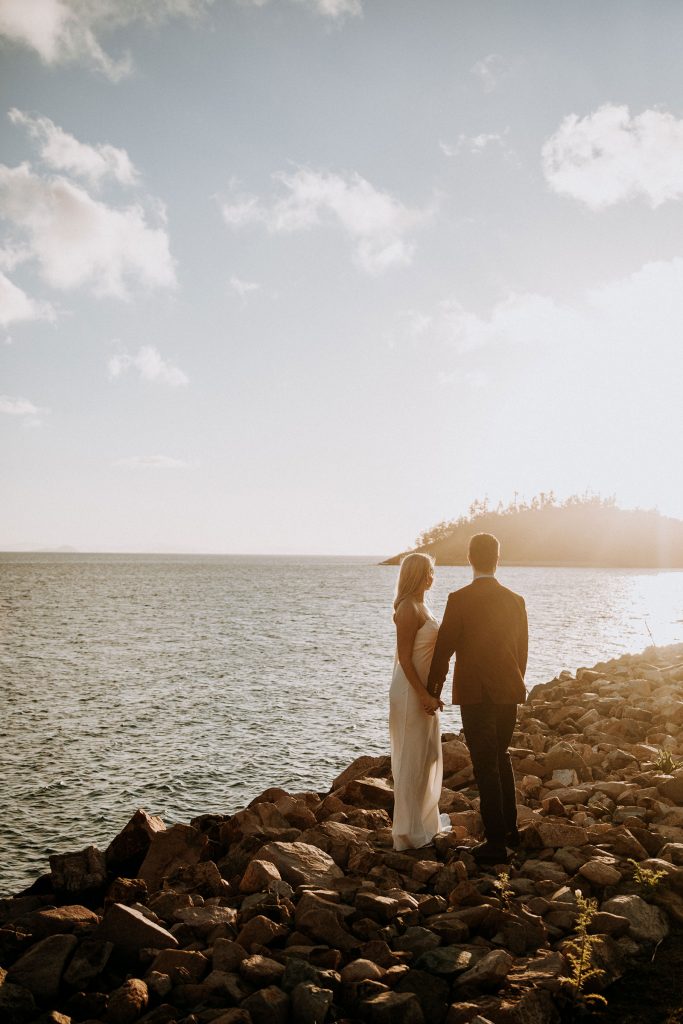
pixel 416 759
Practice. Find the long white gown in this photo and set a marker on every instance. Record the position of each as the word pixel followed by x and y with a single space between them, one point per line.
pixel 416 758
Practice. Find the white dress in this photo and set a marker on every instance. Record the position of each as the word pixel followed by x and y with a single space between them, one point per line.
pixel 416 758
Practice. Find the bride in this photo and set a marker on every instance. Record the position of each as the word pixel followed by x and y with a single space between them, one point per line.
pixel 416 759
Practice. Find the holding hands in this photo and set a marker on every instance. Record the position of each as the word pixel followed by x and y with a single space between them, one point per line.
pixel 430 704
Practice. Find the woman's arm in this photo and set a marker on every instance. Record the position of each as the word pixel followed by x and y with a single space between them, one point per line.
pixel 407 624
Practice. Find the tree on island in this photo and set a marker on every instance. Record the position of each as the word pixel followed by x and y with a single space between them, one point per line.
pixel 585 529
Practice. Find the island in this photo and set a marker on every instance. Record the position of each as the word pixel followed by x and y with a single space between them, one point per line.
pixel 585 530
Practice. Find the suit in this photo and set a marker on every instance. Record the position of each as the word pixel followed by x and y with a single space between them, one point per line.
pixel 485 625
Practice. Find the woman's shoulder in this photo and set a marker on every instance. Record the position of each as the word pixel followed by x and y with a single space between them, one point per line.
pixel 409 611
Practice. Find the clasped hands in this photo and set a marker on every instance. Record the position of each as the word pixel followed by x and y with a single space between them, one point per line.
pixel 430 704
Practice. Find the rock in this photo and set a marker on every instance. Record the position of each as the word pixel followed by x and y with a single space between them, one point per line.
pixel 449 961
pixel 17 1005
pixel 361 970
pixel 62 921
pixel 260 931
pixel 648 923
pixel 203 920
pixel 126 852
pixel 158 984
pixel 456 756
pixel 368 793
pixel 82 871
pixel 234 1016
pixel 300 863
pixel 416 940
pixel 203 879
pixel 87 963
pixel 599 872
pixel 433 993
pixel 563 755
pixel 322 921
pixel 169 850
pixel 40 969
pixel 227 955
pixel 126 890
pixel 362 767
pixel 261 971
pixel 130 930
pixel 554 834
pixel 394 1008
pixel 181 965
pixel 489 973
pixel 268 1006
pixel 673 787
pixel 310 1003
pixel 127 1003
pixel 258 876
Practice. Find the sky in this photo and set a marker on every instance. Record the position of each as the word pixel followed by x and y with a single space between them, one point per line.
pixel 308 276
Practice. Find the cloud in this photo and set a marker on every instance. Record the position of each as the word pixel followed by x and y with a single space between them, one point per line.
pixel 150 462
pixel 476 144
pixel 78 241
pixel 18 407
pixel 150 365
pixel 15 304
pixel 376 221
pixel 243 288
pixel 66 31
pixel 490 70
pixel 609 157
pixel 63 152
pixel 335 9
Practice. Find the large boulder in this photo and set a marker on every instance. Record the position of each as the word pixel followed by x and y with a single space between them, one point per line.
pixel 130 930
pixel 170 850
pixel 40 969
pixel 128 849
pixel 82 871
pixel 301 863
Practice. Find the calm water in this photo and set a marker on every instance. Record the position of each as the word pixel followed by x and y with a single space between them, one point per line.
pixel 187 684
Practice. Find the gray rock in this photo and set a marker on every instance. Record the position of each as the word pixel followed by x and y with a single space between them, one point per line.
pixel 130 930
pixel 88 962
pixel 300 863
pixel 648 923
pixel 310 1003
pixel 78 872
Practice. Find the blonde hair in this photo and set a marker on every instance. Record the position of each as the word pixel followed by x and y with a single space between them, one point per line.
pixel 412 576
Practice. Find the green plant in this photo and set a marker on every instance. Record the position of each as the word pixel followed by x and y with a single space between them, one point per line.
pixel 647 878
pixel 664 761
pixel 579 951
pixel 504 890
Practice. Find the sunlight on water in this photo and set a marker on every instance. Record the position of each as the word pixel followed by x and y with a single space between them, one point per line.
pixel 187 685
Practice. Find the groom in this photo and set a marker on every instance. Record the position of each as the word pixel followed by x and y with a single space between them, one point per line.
pixel 485 624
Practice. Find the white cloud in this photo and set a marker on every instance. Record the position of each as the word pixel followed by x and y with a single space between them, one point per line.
pixel 376 221
pixel 150 365
pixel 18 406
pixel 243 288
pixel 335 9
pixel 489 70
pixel 15 304
pixel 80 241
pixel 63 31
pixel 63 152
pixel 150 462
pixel 476 144
pixel 609 157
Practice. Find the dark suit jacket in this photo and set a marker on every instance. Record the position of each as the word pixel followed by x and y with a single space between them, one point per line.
pixel 485 624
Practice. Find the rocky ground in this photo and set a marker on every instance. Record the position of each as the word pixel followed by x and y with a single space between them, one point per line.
pixel 296 909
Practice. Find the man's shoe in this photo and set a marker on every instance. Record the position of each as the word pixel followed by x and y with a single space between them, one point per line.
pixel 489 853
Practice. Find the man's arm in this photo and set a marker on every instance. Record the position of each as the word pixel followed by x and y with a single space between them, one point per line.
pixel 446 643
pixel 523 638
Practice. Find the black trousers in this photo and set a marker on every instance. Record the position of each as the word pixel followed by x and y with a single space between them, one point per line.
pixel 488 730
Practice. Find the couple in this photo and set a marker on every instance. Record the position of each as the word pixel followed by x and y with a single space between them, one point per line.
pixel 485 625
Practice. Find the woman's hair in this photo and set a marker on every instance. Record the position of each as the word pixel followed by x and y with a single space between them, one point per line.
pixel 412 576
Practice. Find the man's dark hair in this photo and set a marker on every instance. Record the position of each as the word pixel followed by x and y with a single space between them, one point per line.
pixel 483 552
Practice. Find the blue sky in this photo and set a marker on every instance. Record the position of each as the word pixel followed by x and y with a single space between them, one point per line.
pixel 310 275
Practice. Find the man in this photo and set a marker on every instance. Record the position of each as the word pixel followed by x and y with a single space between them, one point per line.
pixel 485 624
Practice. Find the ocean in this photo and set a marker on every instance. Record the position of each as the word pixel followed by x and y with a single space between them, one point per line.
pixel 188 684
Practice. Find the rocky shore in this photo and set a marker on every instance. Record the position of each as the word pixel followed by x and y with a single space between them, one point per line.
pixel 296 909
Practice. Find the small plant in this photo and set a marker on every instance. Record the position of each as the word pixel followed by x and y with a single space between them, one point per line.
pixel 579 953
pixel 664 761
pixel 647 878
pixel 504 889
